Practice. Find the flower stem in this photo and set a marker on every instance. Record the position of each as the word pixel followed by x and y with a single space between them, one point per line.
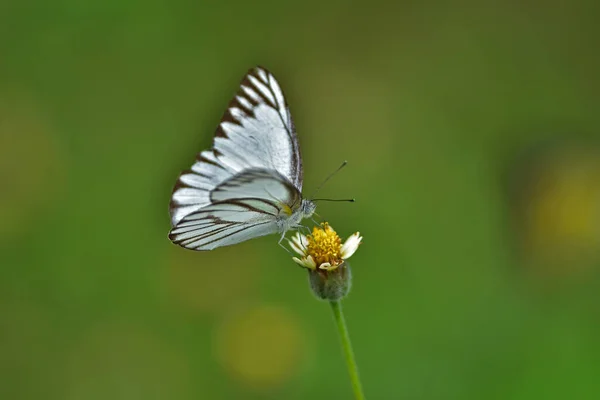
pixel 338 314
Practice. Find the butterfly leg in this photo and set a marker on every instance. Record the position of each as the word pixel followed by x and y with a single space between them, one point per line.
pixel 285 248
pixel 281 238
pixel 301 227
pixel 281 245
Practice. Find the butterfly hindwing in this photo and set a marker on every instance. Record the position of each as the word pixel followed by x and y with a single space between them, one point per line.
pixel 243 207
pixel 258 183
pixel 256 132
pixel 225 223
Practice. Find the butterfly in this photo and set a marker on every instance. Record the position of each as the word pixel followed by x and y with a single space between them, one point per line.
pixel 250 183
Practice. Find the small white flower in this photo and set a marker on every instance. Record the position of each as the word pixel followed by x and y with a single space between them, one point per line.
pixel 323 248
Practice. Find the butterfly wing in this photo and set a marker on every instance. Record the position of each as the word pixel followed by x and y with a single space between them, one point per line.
pixel 225 223
pixel 261 184
pixel 243 207
pixel 256 131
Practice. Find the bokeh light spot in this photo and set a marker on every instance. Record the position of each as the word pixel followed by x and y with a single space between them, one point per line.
pixel 560 209
pixel 261 348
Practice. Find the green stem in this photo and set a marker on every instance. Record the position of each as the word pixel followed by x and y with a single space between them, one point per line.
pixel 338 314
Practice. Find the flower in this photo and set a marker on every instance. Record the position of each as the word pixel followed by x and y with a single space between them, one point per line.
pixel 323 248
pixel 324 256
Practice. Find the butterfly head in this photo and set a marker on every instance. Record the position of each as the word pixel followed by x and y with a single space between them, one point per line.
pixel 307 208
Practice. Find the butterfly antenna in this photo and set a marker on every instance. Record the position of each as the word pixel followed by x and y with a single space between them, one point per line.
pixel 328 178
pixel 346 200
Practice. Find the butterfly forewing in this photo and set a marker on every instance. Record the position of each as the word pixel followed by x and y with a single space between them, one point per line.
pixel 256 132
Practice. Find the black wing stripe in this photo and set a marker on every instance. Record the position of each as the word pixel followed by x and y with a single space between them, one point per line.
pixel 215 231
pixel 264 91
pixel 244 104
pixel 200 240
pixel 250 175
pixel 194 225
pixel 238 231
pixel 241 202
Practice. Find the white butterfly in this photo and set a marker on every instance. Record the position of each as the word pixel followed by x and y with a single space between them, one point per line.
pixel 250 183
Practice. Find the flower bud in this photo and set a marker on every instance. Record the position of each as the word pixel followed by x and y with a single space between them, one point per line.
pixel 333 284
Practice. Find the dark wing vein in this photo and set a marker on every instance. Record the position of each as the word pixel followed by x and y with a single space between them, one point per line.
pixel 224 223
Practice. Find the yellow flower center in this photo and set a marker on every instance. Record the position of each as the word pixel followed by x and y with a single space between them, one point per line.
pixel 324 245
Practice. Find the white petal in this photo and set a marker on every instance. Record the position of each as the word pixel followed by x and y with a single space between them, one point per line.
pixel 301 262
pixel 295 247
pixel 350 246
pixel 306 262
pixel 300 241
pixel 311 262
pixel 296 237
pixel 327 266
pixel 303 240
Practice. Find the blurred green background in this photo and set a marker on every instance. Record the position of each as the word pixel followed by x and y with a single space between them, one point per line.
pixel 471 130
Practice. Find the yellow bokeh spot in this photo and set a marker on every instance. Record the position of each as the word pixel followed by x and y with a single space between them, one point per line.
pixel 562 215
pixel 261 348
pixel 568 210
